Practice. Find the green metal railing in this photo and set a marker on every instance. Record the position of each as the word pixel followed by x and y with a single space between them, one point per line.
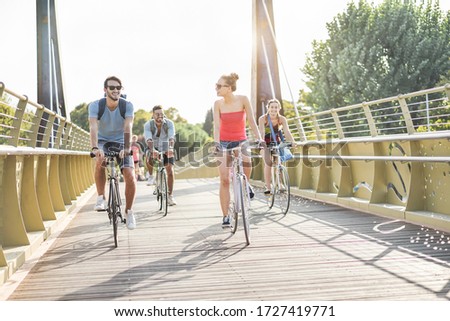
pixel 388 157
pixel 44 168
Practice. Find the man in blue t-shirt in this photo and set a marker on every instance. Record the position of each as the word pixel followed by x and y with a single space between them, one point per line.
pixel 159 133
pixel 111 129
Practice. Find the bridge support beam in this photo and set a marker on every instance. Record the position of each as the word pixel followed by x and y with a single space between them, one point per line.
pixel 265 79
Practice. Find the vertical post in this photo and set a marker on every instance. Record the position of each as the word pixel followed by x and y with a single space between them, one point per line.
pixel 265 74
pixel 49 78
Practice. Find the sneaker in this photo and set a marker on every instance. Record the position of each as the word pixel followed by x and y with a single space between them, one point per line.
pixel 150 181
pixel 171 200
pixel 251 192
pixel 100 205
pixel 131 221
pixel 226 221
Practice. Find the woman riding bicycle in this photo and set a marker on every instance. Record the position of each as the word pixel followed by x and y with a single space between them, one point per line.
pixel 280 126
pixel 230 115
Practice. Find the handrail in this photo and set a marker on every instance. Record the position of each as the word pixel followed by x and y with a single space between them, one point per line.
pixel 27 123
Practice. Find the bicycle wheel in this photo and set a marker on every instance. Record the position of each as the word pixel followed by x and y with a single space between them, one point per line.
pixel 163 203
pixel 243 200
pixel 113 208
pixel 283 190
pixel 271 197
pixel 234 205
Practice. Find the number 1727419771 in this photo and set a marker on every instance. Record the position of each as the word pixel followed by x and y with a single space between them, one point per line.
pixel 298 311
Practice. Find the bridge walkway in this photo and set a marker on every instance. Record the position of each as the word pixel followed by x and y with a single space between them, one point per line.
pixel 316 252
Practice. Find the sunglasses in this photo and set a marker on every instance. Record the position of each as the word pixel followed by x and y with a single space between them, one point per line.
pixel 114 87
pixel 219 86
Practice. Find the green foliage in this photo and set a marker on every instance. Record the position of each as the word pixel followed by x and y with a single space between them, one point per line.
pixel 140 118
pixel 173 114
pixel 79 116
pixel 189 138
pixel 376 52
pixel 208 125
pixel 6 120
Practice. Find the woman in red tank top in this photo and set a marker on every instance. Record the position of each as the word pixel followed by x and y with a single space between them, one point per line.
pixel 230 116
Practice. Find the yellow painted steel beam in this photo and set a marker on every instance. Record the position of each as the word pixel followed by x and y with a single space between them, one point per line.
pixel 43 190
pixel 54 185
pixel 28 201
pixel 13 232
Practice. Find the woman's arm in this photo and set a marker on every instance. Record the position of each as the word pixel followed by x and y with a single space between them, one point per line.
pixel 216 118
pixel 261 124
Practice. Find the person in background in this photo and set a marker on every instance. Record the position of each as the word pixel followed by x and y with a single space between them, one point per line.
pixel 137 154
pixel 113 131
pixel 230 115
pixel 280 126
pixel 159 133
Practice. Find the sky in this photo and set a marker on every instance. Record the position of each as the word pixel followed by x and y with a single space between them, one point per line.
pixel 166 52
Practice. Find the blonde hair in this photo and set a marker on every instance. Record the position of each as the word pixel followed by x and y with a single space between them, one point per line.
pixel 231 80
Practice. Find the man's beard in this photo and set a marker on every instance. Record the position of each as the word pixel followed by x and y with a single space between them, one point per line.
pixel 113 98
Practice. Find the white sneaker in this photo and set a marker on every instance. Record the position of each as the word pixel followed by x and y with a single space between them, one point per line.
pixel 171 200
pixel 150 181
pixel 100 205
pixel 131 221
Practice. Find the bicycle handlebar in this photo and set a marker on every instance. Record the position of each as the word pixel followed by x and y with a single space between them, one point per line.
pixel 111 154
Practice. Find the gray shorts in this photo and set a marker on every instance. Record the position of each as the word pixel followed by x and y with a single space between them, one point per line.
pixel 117 147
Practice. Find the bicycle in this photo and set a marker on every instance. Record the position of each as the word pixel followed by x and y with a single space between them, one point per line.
pixel 240 191
pixel 161 187
pixel 114 199
pixel 280 187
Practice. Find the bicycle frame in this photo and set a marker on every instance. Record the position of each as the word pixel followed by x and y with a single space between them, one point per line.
pixel 161 184
pixel 280 186
pixel 241 192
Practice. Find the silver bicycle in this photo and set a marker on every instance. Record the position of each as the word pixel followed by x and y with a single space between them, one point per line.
pixel 280 188
pixel 240 190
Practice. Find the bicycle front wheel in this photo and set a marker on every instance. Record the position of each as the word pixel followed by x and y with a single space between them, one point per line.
pixel 243 195
pixel 163 190
pixel 113 208
pixel 283 190
pixel 234 205
pixel 271 197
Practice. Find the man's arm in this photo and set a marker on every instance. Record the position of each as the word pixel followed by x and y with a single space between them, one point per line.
pixel 171 134
pixel 127 127
pixel 93 132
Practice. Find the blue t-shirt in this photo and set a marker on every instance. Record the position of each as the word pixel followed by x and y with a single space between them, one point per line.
pixel 110 126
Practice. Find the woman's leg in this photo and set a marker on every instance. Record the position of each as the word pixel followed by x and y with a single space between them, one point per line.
pixel 224 187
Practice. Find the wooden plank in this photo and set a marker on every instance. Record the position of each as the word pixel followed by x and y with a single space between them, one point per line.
pixel 316 252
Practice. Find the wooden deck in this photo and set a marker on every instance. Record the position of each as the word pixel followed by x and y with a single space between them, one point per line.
pixel 316 252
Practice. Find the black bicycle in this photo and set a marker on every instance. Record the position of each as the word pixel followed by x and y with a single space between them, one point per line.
pixel 114 199
pixel 161 189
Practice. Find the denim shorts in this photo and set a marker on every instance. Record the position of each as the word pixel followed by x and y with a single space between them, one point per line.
pixel 226 145
pixel 113 146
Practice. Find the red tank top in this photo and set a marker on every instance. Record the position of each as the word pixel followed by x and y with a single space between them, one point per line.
pixel 232 126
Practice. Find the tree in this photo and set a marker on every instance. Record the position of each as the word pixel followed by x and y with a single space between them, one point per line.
pixel 140 118
pixel 208 125
pixel 375 52
pixel 79 116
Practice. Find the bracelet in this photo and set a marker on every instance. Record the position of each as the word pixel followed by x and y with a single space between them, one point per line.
pixel 94 148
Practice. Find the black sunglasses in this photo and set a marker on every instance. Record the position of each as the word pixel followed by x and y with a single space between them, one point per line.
pixel 114 87
pixel 218 86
